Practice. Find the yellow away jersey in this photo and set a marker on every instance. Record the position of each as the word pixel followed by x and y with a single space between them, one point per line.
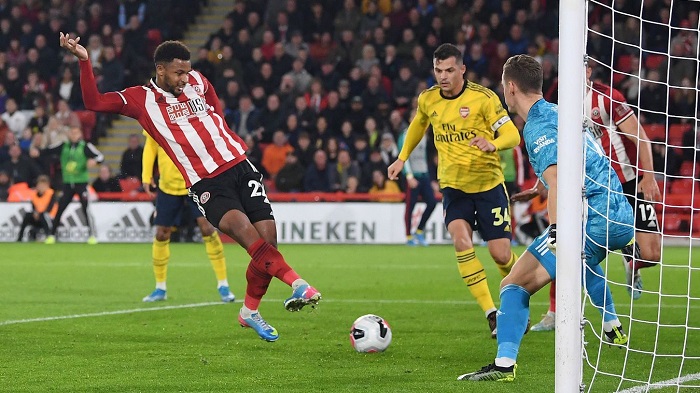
pixel 171 181
pixel 476 111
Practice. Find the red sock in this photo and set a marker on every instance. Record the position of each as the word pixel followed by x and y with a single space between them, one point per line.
pixel 267 259
pixel 553 296
pixel 258 281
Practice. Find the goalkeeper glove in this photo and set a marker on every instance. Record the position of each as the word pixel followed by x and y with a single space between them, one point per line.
pixel 552 238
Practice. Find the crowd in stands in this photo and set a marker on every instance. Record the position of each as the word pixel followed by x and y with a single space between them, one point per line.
pixel 321 89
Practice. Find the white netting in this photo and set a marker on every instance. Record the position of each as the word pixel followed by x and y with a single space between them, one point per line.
pixel 648 51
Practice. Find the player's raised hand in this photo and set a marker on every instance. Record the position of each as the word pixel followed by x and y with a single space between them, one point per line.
pixel 73 46
pixel 394 169
pixel 649 187
pixel 482 144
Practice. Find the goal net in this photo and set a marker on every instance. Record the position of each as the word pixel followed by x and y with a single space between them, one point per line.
pixel 647 51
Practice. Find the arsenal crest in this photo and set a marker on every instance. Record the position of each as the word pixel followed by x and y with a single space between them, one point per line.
pixel 464 112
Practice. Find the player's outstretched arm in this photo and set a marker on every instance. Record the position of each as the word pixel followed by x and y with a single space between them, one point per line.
pixel 635 132
pixel 93 99
pixel 529 194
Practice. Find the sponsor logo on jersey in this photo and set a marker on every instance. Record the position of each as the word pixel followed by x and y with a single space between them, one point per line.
pixel 434 114
pixel 595 113
pixel 464 112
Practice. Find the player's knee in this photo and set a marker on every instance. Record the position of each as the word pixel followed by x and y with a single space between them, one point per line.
pixel 501 257
pixel 162 233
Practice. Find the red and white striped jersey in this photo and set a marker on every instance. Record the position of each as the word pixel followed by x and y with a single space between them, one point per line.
pixel 190 127
pixel 606 108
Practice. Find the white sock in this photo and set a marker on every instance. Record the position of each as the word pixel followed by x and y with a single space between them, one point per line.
pixel 608 326
pixel 299 282
pixel 246 312
pixel 222 283
pixel 161 285
pixel 551 313
pixel 489 311
pixel 504 362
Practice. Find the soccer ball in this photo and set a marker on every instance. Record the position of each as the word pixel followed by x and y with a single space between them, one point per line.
pixel 370 333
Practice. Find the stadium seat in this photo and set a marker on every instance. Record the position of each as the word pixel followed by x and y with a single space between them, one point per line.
pixel 654 61
pixel 687 169
pixel 130 184
pixel 672 222
pixel 683 186
pixel 675 134
pixel 695 225
pixel 655 131
pixel 624 63
pixel 88 120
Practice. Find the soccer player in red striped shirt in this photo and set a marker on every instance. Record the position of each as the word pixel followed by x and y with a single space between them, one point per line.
pixel 181 111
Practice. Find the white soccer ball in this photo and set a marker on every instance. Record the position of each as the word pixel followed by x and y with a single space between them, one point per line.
pixel 370 333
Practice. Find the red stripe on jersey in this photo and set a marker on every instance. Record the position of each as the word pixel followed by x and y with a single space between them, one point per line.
pixel 193 135
pixel 605 109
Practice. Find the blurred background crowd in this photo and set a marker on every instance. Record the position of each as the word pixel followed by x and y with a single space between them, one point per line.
pixel 321 89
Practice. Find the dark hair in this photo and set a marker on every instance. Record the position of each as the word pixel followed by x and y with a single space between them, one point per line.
pixel 445 51
pixel 169 51
pixel 525 72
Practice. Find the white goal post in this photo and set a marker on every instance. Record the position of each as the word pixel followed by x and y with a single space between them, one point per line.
pixel 568 342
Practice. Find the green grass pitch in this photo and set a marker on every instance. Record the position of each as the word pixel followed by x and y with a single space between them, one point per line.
pixel 72 320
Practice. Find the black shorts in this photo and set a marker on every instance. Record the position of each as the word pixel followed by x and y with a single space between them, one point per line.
pixel 488 211
pixel 169 209
pixel 239 188
pixel 644 212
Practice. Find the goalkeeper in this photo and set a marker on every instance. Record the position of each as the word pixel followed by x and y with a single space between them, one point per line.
pixel 170 201
pixel 609 225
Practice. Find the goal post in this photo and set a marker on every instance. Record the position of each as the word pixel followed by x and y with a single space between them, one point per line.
pixel 568 336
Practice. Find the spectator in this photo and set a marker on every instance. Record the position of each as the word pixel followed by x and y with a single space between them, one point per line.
pixel 5 183
pixel 43 203
pixel 25 140
pixel 204 65
pixel 334 112
pixel 371 19
pixel 112 75
pixel 132 158
pixel 21 168
pixel 316 98
pixel 39 120
pixel 666 161
pixel 34 91
pixel 374 163
pixel 384 190
pixel 652 99
pixel 318 24
pixel 346 139
pixel 303 149
pixel 296 44
pixel 319 176
pixel 368 59
pixel 302 78
pixel 14 85
pixel 404 88
pixel 476 61
pixel 388 148
pixel 105 182
pixel 15 119
pixel 254 153
pixel 275 155
pixel 271 119
pixel 245 117
pixel 348 18
pixel 291 177
pixel 349 172
pixel 65 116
pixel 421 66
